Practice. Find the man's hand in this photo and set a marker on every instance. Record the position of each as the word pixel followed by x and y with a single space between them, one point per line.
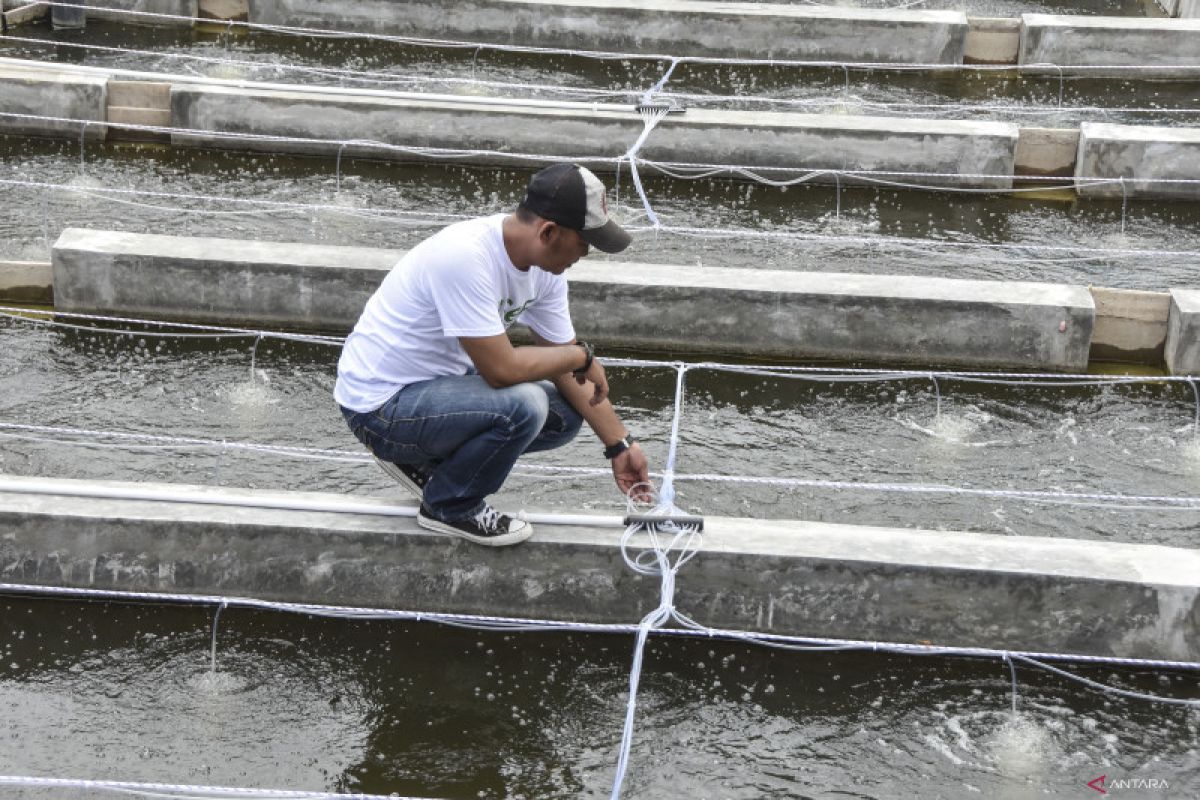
pixel 632 473
pixel 596 375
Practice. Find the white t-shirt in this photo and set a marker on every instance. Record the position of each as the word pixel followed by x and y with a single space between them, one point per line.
pixel 458 282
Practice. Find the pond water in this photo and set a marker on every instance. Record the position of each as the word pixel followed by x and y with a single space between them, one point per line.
pixel 1127 439
pixel 127 692
pixel 1144 244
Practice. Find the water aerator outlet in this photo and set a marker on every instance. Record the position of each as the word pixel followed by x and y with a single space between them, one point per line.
pixel 680 520
pixel 670 108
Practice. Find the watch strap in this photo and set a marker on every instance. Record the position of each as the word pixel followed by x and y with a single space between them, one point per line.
pixel 618 447
pixel 591 356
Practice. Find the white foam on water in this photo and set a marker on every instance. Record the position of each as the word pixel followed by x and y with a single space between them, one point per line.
pixel 844 225
pixel 216 684
pixel 954 428
pixel 251 397
pixel 225 71
pixel 85 181
pixel 1022 748
pixel 1189 456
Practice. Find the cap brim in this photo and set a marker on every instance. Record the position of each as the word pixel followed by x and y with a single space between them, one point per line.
pixel 608 238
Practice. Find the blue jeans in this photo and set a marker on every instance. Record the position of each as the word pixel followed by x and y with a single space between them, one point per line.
pixel 467 433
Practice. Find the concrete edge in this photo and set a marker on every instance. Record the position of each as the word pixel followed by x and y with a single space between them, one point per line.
pixel 757 312
pixel 791 577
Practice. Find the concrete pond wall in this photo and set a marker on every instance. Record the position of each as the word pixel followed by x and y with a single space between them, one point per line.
pixel 574 130
pixel 1129 326
pixel 402 126
pixel 796 578
pixel 890 319
pixel 30 89
pixel 1160 47
pixel 752 312
pixel 1145 159
pixel 693 28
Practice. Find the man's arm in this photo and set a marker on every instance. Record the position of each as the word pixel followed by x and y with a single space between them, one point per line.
pixel 502 365
pixel 630 468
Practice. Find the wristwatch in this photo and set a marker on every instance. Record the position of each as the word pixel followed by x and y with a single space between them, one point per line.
pixel 620 446
pixel 591 356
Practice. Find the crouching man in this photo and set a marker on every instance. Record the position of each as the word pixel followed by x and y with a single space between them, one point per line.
pixel 430 382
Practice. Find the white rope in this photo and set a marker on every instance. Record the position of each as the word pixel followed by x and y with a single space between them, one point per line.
pixel 1051 379
pixel 1100 499
pixel 608 55
pixel 485 622
pixel 1103 500
pixel 185 791
pixel 652 622
pixel 415 151
pixel 269 206
pixel 695 98
pixel 655 561
pixel 382 78
pixel 698 171
pixel 19 314
pixel 702 171
pixel 650 117
pixel 702 99
pixel 432 218
pixel 674 169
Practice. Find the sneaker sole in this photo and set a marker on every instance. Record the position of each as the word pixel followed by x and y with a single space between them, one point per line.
pixel 502 540
pixel 396 474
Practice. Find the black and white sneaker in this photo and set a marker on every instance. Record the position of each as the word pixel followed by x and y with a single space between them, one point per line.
pixel 488 527
pixel 410 476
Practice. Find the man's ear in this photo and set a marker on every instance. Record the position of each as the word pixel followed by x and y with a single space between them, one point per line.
pixel 546 231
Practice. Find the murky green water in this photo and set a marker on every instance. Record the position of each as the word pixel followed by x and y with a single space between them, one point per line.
pixel 854 230
pixel 1131 440
pixel 125 692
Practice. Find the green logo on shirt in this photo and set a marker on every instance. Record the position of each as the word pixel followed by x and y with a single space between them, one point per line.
pixel 510 316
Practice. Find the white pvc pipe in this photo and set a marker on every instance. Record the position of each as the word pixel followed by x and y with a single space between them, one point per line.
pixel 155 495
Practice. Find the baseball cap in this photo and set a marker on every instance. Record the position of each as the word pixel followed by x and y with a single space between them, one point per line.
pixel 574 198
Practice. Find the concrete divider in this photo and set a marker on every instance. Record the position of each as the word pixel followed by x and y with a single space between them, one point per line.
pixel 1133 152
pixel 216 280
pixel 876 318
pixel 1047 152
pixel 993 40
pixel 1165 45
pixel 389 125
pixel 22 13
pixel 1182 352
pixel 676 27
pixel 49 92
pixel 759 312
pixel 807 141
pixel 1181 8
pixel 786 577
pixel 1131 326
pixel 112 10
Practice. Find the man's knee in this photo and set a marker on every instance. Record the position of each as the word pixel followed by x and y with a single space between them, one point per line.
pixel 529 406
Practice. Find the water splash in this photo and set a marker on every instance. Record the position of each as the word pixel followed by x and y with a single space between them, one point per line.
pixel 229 72
pixel 255 394
pixel 217 684
pixel 1022 748
pixel 954 428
